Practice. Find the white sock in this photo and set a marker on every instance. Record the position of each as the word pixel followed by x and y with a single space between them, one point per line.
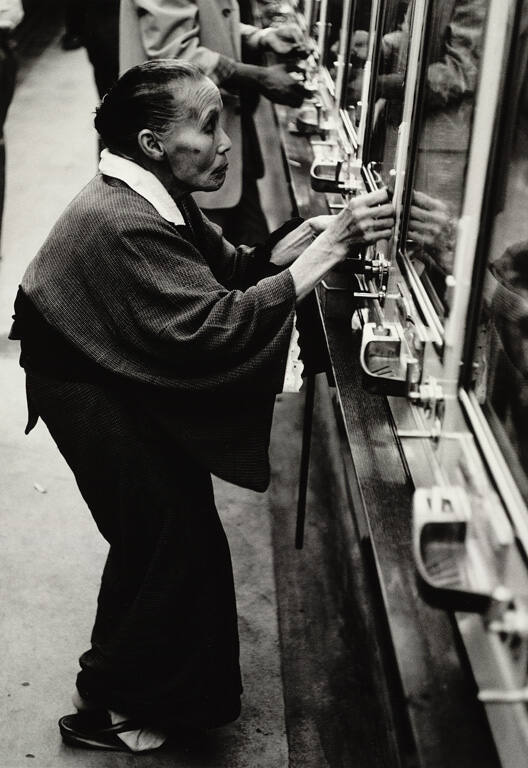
pixel 137 741
pixel 140 740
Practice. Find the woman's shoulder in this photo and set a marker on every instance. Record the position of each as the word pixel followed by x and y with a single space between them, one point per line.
pixel 113 202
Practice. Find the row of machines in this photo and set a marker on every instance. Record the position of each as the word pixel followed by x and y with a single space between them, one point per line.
pixel 429 99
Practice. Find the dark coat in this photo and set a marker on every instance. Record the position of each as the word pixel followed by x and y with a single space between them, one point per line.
pixel 177 309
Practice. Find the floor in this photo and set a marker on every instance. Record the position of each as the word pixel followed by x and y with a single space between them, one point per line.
pixel 52 554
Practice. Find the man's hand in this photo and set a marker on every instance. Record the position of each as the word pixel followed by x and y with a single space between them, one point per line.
pixel 284 40
pixel 279 87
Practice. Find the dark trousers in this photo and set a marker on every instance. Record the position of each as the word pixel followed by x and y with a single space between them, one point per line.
pixel 7 87
pixel 165 640
pixel 96 22
pixel 73 16
pixel 101 39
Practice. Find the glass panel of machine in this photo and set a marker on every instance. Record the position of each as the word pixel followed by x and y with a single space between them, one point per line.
pixel 501 357
pixel 452 60
pixel 358 54
pixel 331 31
pixel 390 87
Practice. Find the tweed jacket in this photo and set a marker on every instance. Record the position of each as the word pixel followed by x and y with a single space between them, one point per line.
pixel 178 309
pixel 208 33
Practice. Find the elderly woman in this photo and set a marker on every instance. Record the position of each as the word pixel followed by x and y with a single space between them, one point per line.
pixel 153 351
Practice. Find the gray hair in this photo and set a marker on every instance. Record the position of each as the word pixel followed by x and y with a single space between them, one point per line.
pixel 143 97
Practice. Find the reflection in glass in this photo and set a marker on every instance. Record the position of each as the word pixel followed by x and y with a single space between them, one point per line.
pixel 451 67
pixel 334 15
pixel 390 87
pixel 501 359
pixel 358 52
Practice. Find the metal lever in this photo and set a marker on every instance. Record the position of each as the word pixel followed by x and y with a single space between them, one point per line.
pixel 325 176
pixel 385 359
pixel 495 696
pixel 451 574
pixel 308 123
pixel 380 295
pixel 512 622
pixel 341 175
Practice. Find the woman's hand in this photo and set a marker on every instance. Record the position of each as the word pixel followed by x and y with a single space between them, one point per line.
pixel 432 227
pixel 366 219
pixel 318 224
pixel 430 223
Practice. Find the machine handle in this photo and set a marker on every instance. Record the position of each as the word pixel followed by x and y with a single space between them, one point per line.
pixel 440 526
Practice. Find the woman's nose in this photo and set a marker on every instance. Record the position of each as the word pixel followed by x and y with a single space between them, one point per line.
pixel 225 143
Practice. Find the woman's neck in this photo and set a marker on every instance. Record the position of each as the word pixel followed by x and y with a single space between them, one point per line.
pixel 163 173
pixel 173 186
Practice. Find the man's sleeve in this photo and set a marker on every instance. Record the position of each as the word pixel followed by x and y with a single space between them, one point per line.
pixel 455 75
pixel 170 29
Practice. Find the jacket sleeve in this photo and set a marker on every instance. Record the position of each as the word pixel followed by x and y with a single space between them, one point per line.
pixel 242 266
pixel 170 29
pixel 160 297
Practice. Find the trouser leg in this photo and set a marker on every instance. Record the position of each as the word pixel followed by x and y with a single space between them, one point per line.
pixel 73 17
pixel 101 39
pixel 7 87
pixel 165 640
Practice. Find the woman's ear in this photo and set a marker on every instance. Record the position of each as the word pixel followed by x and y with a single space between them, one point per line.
pixel 150 145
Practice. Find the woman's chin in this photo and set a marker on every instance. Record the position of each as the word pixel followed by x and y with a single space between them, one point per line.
pixel 218 180
pixel 214 182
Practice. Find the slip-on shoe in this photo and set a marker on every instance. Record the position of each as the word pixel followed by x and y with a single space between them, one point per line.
pixel 94 730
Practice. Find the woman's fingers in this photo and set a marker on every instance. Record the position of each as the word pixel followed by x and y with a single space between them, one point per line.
pixel 386 223
pixel 375 235
pixel 382 211
pixel 429 203
pixel 422 226
pixel 368 200
pixel 420 214
pixel 378 197
pixel 366 218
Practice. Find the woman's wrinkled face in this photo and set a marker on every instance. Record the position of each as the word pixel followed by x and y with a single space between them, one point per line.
pixel 196 148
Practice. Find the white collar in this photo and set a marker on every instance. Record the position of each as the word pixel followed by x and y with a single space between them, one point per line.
pixel 143 182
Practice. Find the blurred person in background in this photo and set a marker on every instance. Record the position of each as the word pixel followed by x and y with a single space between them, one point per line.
pixel 73 15
pixel 209 33
pixel 11 14
pixel 94 24
pixel 100 36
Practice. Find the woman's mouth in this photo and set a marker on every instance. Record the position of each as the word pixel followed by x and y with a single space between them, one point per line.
pixel 220 171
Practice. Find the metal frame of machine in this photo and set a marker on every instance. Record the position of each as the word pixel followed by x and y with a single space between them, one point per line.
pixel 470 520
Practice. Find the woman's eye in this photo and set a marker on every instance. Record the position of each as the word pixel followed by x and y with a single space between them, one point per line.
pixel 210 126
